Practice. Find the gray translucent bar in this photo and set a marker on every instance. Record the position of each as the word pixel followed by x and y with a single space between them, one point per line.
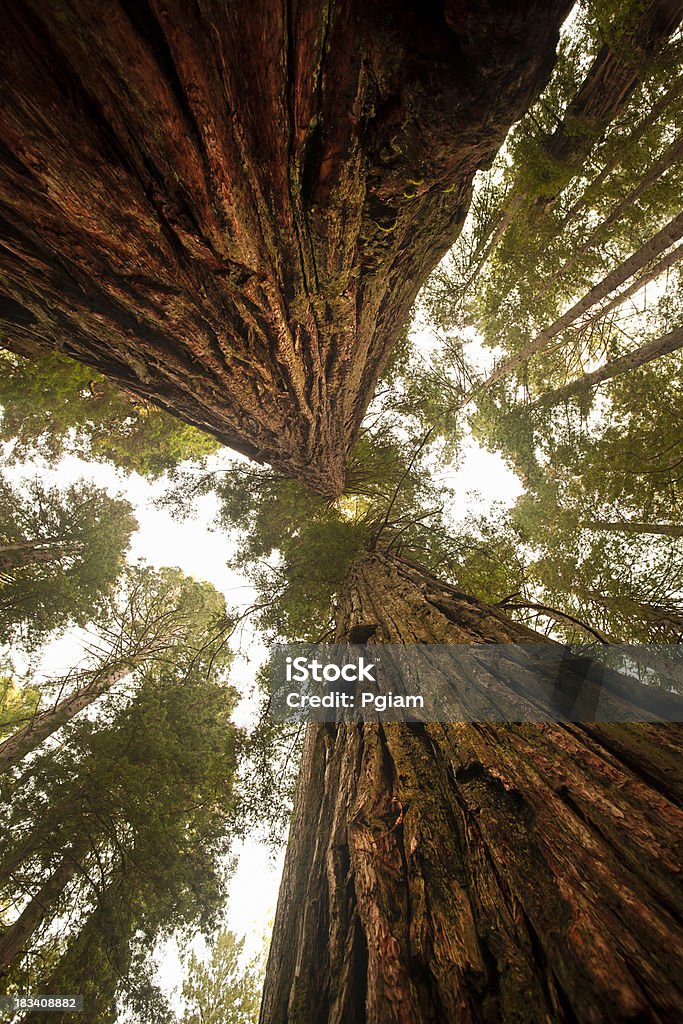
pixel 477 683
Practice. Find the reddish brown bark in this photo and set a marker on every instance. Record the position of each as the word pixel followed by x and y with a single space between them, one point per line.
pixel 476 873
pixel 605 91
pixel 610 81
pixel 230 207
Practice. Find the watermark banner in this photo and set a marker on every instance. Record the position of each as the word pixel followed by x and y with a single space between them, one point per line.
pixel 477 683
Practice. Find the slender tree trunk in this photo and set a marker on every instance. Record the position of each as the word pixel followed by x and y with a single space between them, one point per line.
pixel 669 159
pixel 475 873
pixel 655 349
pixel 13 941
pixel 626 145
pixel 35 552
pixel 229 208
pixel 633 526
pixel 654 247
pixel 44 724
pixel 655 271
pixel 605 91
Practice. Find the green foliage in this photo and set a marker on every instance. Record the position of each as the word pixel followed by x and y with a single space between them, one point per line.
pixel 524 258
pixel 154 618
pixel 224 990
pixel 54 406
pixel 146 805
pixel 17 703
pixel 620 464
pixel 296 547
pixel 60 555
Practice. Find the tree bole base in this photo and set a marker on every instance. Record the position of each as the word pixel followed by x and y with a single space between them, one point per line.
pixel 477 873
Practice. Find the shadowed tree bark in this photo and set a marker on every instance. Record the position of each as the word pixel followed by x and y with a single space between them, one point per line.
pixel 229 207
pixel 475 872
pixel 609 84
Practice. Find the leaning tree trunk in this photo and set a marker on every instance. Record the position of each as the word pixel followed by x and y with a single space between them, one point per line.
pixel 651 350
pixel 46 723
pixel 648 252
pixel 15 938
pixel 634 526
pixel 656 270
pixel 229 207
pixel 610 82
pixel 626 144
pixel 670 158
pixel 475 872
pixel 603 94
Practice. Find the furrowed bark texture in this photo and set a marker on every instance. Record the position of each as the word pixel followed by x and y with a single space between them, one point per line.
pixel 605 91
pixel 610 82
pixel 475 873
pixel 229 208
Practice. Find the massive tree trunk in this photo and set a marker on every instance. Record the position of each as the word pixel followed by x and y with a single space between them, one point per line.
pixel 475 872
pixel 229 208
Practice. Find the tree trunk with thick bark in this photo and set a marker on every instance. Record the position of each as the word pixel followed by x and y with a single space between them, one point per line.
pixel 605 91
pixel 229 208
pixel 609 83
pixel 476 872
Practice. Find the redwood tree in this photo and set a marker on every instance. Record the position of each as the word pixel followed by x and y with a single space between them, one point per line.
pixel 475 872
pixel 229 208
